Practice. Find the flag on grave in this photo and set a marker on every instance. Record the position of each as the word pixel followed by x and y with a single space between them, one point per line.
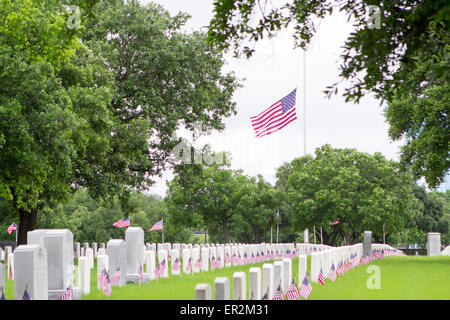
pixel 141 273
pixel 292 292
pixel 278 295
pixel 189 264
pixel 276 117
pixel 320 277
pixel 125 222
pixel 305 288
pixel 107 286
pixel 101 278
pixel 116 276
pixel 26 296
pixel 176 264
pixel 3 295
pixel 332 273
pixel 68 294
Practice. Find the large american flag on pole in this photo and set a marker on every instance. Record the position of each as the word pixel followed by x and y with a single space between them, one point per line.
pixel 125 222
pixel 275 117
pixel 12 227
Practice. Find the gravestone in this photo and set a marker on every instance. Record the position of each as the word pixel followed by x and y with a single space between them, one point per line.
pixel 203 291
pixel 116 249
pixel 150 264
pixel 205 259
pixel 287 274
pixel 30 270
pixel 10 265
pixel 90 257
pixel 78 249
pixel 95 248
pixel 239 286
pixel 84 275
pixel 278 274
pixel 305 236
pixel 2 277
pixel 195 258
pixel 315 266
pixel 102 263
pixel 254 284
pixel 175 262
pixel 267 280
pixel 227 256
pixel 433 244
pixel 367 242
pixel 302 265
pixel 187 261
pixel 134 238
pixel 221 256
pixel 222 288
pixel 162 257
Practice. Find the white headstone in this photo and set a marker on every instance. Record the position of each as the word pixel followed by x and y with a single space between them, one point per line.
pixel 90 257
pixel 267 280
pixel 116 249
pixel 30 272
pixel 433 244
pixel 175 262
pixel 302 266
pixel 222 288
pixel 150 264
pixel 187 261
pixel 102 263
pixel 287 274
pixel 205 259
pixel 84 275
pixel 254 284
pixel 195 258
pixel 134 238
pixel 239 286
pixel 163 258
pixel 278 275
pixel 203 291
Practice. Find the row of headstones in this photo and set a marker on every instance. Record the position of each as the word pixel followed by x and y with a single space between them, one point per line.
pixel 276 274
pixel 279 273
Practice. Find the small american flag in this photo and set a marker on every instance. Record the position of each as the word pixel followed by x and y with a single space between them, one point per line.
pixel 332 273
pixel 162 267
pixel 278 295
pixel 101 278
pixel 3 295
pixel 276 117
pixel 157 226
pixel 320 277
pixel 11 228
pixel 10 274
pixel 107 286
pixel 189 264
pixel 116 276
pixel 292 292
pixel 68 294
pixel 26 296
pixel 213 263
pixel 245 258
pixel 176 264
pixel 227 258
pixel 125 222
pixel 198 264
pixel 305 288
pixel 141 273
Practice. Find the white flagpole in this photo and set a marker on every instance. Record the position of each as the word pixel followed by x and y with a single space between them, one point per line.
pixel 304 111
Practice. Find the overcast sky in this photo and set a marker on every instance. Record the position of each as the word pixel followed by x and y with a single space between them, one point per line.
pixel 275 70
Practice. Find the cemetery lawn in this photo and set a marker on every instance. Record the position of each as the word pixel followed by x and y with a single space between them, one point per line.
pixel 402 278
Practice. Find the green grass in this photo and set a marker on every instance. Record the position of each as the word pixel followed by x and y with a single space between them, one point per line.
pixel 402 278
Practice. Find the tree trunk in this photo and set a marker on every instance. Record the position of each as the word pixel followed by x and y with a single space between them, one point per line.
pixel 28 222
pixel 226 235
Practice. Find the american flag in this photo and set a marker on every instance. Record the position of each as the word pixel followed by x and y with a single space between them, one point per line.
pixel 176 264
pixel 305 288
pixel 101 278
pixel 141 273
pixel 188 267
pixel 278 295
pixel 68 294
pixel 3 295
pixel 11 228
pixel 276 117
pixel 292 292
pixel 10 274
pixel 339 269
pixel 107 286
pixel 198 264
pixel 252 258
pixel 125 222
pixel 26 296
pixel 265 296
pixel 116 276
pixel 320 277
pixel 161 267
pixel 157 226
pixel 332 273
pixel 334 222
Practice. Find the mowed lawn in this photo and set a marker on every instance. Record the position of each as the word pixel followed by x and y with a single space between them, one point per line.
pixel 401 278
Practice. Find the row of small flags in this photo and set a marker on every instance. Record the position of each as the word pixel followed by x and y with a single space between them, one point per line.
pixel 293 293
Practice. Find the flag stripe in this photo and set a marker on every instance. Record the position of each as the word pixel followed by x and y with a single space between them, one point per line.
pixel 277 129
pixel 276 121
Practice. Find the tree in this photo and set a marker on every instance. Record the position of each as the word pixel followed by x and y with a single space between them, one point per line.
pixel 97 114
pixel 411 41
pixel 363 191
pixel 205 196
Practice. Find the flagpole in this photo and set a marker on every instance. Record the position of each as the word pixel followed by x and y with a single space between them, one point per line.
pixel 162 230
pixel 304 114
